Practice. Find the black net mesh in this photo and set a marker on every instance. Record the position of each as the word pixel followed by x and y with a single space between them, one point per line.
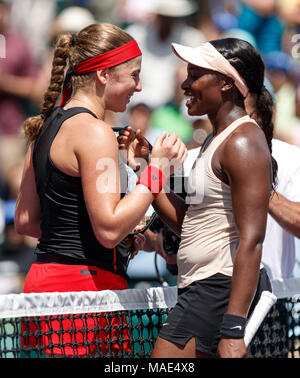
pixel 112 334
pixel 279 335
pixel 131 334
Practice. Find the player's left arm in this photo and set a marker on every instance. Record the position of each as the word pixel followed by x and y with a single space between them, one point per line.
pixel 247 165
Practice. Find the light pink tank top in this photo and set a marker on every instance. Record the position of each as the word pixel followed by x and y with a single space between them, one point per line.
pixel 209 238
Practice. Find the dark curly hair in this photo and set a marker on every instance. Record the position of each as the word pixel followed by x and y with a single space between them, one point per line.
pixel 249 64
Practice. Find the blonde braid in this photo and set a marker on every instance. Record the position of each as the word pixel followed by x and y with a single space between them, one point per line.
pixel 33 125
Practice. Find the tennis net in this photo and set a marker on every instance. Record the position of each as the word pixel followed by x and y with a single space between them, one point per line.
pixel 124 324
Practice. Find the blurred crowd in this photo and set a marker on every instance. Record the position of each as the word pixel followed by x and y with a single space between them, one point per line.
pixel 29 28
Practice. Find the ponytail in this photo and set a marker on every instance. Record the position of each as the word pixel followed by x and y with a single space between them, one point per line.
pixel 264 111
pixel 33 125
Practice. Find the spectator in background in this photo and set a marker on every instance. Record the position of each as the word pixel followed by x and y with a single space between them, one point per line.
pixel 260 18
pixel 33 19
pixel 280 71
pixel 155 38
pixel 17 72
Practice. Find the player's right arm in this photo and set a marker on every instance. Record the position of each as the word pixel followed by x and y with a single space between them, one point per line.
pixel 28 213
pixel 113 218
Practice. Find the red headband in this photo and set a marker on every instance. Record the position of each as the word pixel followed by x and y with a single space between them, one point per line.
pixel 109 59
pixel 100 62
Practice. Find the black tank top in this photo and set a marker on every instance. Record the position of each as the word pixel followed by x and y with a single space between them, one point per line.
pixel 67 236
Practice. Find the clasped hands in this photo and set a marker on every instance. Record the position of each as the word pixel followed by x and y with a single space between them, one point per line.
pixel 137 147
pixel 168 152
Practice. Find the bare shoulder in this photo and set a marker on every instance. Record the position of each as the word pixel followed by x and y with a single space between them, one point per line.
pixel 89 133
pixel 86 126
pixel 248 140
pixel 246 152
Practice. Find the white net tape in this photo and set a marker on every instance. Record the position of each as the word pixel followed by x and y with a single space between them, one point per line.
pixel 17 305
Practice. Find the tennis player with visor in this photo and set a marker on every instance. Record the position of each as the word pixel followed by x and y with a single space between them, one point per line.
pixel 223 219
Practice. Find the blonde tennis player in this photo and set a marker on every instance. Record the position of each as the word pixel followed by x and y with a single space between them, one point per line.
pixel 70 195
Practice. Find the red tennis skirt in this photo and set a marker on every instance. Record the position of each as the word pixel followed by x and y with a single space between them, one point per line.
pixel 65 336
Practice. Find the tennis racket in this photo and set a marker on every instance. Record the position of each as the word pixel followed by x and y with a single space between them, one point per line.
pixel 266 301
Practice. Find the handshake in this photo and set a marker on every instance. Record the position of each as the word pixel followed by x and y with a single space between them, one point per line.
pixel 167 154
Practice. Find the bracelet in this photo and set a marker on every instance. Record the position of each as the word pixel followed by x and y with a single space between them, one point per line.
pixel 153 178
pixel 233 326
